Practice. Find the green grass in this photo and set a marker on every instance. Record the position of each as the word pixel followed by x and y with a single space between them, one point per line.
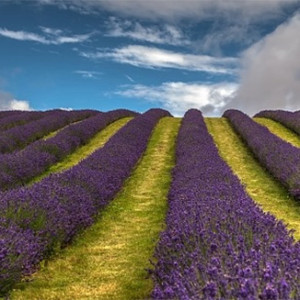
pixel 260 185
pixel 109 260
pixel 280 130
pixel 54 133
pixel 82 152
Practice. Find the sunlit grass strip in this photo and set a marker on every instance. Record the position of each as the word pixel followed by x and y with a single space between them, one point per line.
pixel 289 119
pixel 81 153
pixel 279 157
pixel 259 184
pixel 17 138
pixel 280 130
pixel 39 220
pixel 54 133
pixel 17 169
pixel 109 260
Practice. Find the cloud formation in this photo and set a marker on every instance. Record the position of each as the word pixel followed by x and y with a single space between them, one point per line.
pixel 232 34
pixel 234 21
pixel 270 77
pixel 50 36
pixel 178 9
pixel 88 74
pixel 8 102
pixel 151 57
pixel 164 34
pixel 178 97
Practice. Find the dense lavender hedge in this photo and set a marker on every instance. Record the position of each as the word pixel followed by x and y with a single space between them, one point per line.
pixel 20 118
pixel 289 119
pixel 37 219
pixel 20 136
pixel 280 158
pixel 218 244
pixel 7 113
pixel 19 167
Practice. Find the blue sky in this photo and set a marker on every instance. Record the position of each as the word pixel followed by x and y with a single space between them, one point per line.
pixel 136 54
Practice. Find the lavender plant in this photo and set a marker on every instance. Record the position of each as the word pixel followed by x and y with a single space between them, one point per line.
pixel 20 136
pixel 48 214
pixel 218 244
pixel 289 119
pixel 7 113
pixel 280 158
pixel 19 167
pixel 19 118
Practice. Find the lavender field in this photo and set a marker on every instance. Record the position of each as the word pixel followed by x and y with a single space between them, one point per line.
pixel 156 212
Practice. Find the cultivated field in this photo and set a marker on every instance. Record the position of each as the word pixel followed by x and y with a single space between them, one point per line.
pixel 122 205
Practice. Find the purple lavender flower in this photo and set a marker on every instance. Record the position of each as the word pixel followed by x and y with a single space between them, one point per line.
pixel 280 158
pixel 19 167
pixel 36 220
pixel 289 119
pixel 20 136
pixel 19 118
pixel 218 244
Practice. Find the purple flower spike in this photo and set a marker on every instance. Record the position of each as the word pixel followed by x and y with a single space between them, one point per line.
pixel 36 220
pixel 19 167
pixel 218 244
pixel 289 119
pixel 280 158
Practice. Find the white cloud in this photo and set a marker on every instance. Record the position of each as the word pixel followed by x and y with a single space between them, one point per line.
pixel 150 57
pixel 51 31
pixel 71 39
pixel 232 21
pixel 8 102
pixel 23 36
pixel 50 37
pixel 270 77
pixel 166 34
pixel 178 97
pixel 66 108
pixel 179 9
pixel 88 74
pixel 19 105
pixel 238 34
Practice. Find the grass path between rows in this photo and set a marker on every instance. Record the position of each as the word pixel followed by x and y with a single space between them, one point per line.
pixel 54 133
pixel 260 185
pixel 84 151
pixel 109 260
pixel 280 130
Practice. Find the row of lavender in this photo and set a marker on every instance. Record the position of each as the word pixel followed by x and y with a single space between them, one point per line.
pixel 20 136
pixel 289 119
pixel 37 219
pixel 20 118
pixel 7 113
pixel 218 244
pixel 280 158
pixel 18 168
